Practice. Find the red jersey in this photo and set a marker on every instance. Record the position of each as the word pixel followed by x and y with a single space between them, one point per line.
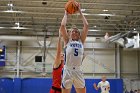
pixel 57 72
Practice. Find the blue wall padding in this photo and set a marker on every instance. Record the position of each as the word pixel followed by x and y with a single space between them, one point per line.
pixel 17 85
pixel 36 85
pixel 89 85
pixel 6 85
pixel 119 85
pixel 43 85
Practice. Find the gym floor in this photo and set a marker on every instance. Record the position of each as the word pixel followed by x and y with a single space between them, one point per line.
pixel 29 34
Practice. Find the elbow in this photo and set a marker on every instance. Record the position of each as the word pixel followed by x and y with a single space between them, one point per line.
pixel 63 25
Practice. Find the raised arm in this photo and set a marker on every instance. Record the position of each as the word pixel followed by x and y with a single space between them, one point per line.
pixel 63 29
pixel 95 86
pixel 85 27
pixel 58 54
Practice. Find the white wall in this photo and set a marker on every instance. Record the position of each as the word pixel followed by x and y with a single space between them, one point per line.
pixel 129 64
pixel 98 60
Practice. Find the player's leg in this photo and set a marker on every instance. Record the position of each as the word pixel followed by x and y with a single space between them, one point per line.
pixel 80 90
pixel 66 90
pixel 66 81
pixel 79 82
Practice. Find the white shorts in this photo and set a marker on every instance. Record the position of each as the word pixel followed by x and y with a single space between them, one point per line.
pixel 72 76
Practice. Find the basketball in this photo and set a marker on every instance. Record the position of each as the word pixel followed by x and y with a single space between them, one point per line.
pixel 71 7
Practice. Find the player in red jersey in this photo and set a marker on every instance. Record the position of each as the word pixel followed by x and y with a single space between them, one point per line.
pixel 57 69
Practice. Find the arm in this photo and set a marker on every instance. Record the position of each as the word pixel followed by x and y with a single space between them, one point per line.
pixel 83 57
pixel 58 54
pixel 85 28
pixel 63 29
pixel 95 86
pixel 108 87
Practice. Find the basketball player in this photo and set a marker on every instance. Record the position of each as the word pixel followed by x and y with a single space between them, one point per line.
pixel 74 51
pixel 57 69
pixel 104 85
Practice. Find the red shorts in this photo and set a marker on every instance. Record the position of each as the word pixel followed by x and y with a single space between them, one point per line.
pixel 55 90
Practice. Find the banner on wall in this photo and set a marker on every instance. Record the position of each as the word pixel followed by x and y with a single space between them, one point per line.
pixel 2 55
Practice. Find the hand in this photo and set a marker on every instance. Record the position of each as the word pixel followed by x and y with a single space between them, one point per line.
pixel 79 7
pixel 94 84
pixel 66 13
pixel 108 88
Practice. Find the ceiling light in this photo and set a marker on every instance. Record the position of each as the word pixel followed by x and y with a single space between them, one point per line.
pixel 106 14
pixel 94 26
pixel 14 28
pixel 1 27
pixel 93 30
pixel 98 14
pixel 105 10
pixel 19 28
pixel 134 29
pixel 12 11
pixel 10 5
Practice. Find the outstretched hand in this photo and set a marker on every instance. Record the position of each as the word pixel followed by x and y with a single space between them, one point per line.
pixel 94 84
pixel 66 12
pixel 78 5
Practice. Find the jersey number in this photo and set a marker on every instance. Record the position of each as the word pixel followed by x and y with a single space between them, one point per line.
pixel 76 52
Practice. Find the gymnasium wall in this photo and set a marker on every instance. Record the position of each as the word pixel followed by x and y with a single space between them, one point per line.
pixel 103 59
pixel 95 58
pixel 129 64
pixel 43 85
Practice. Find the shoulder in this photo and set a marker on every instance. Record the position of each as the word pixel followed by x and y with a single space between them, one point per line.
pixel 57 67
pixel 80 40
pixel 100 82
pixel 107 82
pixel 69 41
